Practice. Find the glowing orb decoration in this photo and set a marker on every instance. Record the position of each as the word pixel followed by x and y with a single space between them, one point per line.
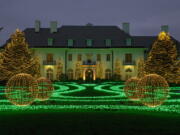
pixel 21 89
pixel 130 88
pixel 45 88
pixel 154 90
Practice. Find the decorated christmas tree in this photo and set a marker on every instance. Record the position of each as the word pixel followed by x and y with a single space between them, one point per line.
pixel 78 72
pixel 17 58
pixel 59 70
pixel 162 58
pixel 99 70
pixel 141 72
pixel 117 70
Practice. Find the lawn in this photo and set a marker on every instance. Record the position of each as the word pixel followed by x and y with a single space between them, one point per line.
pixel 79 108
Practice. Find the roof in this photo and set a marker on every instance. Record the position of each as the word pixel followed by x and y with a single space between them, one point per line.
pixel 81 33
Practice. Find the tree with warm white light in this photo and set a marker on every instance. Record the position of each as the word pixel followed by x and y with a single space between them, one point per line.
pixel 162 58
pixel 17 58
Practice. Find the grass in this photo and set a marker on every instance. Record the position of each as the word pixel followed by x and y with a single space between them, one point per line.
pixel 89 121
pixel 89 91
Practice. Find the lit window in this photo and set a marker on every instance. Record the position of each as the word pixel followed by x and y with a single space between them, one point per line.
pixel 98 57
pixel 79 57
pixel 49 57
pixel 108 57
pixel 70 57
pixel 49 73
pixel 70 74
pixel 108 74
pixel 128 57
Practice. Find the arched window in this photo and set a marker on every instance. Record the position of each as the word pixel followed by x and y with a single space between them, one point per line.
pixel 70 74
pixel 49 73
pixel 108 74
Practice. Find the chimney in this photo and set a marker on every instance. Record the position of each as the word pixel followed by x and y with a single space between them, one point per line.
pixel 53 26
pixel 126 26
pixel 165 28
pixel 37 25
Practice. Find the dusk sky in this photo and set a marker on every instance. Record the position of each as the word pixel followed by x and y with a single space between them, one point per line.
pixel 145 16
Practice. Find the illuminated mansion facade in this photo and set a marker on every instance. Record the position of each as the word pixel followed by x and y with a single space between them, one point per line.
pixel 88 52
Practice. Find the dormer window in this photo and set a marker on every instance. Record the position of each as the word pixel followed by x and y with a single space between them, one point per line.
pixel 89 42
pixel 70 42
pixel 108 42
pixel 50 41
pixel 128 41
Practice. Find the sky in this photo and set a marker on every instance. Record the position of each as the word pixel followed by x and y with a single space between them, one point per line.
pixel 145 16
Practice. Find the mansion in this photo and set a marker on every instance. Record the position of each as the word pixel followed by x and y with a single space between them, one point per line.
pixel 89 52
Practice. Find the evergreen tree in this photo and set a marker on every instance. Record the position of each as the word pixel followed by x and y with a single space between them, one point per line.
pixel 162 57
pixel 117 70
pixel 141 72
pixel 17 58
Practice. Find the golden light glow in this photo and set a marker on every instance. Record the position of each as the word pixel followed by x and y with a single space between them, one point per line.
pixel 49 66
pixel 163 36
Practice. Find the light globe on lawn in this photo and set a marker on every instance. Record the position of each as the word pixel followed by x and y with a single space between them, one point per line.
pixel 154 90
pixel 21 89
pixel 130 88
pixel 45 88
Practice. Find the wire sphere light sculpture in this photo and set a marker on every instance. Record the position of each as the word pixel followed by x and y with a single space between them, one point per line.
pixel 154 90
pixel 21 89
pixel 45 88
pixel 130 88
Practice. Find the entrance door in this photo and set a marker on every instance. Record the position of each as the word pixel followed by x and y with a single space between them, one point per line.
pixel 89 75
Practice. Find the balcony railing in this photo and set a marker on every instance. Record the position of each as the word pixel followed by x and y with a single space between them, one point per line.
pixel 45 62
pixel 89 63
pixel 129 63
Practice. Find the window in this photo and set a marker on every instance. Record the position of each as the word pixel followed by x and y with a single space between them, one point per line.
pixel 98 57
pixel 128 42
pixel 108 74
pixel 89 42
pixel 70 42
pixel 49 74
pixel 128 57
pixel 50 41
pixel 108 42
pixel 70 74
pixel 49 57
pixel 108 57
pixel 70 57
pixel 79 57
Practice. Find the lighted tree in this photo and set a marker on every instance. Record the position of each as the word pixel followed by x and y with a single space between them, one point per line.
pixel 140 65
pixel 162 57
pixel 174 73
pixel 117 70
pixel 59 69
pixel 99 70
pixel 78 72
pixel 17 58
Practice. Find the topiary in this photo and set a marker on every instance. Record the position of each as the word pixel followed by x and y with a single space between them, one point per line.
pixel 130 88
pixel 21 89
pixel 154 90
pixel 45 88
